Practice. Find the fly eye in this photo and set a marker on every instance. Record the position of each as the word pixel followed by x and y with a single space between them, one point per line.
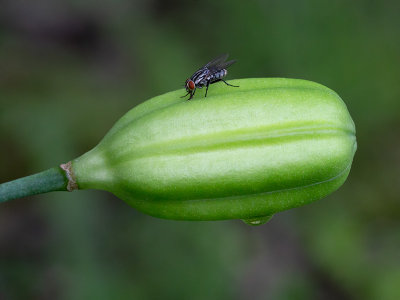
pixel 191 85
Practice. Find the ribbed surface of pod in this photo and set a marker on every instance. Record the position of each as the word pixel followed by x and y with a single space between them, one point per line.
pixel 247 152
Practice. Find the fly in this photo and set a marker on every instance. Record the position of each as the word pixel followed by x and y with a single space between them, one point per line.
pixel 211 73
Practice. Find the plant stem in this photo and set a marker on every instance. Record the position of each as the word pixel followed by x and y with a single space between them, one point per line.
pixel 53 179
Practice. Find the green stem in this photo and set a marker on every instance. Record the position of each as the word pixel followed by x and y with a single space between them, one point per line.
pixel 53 179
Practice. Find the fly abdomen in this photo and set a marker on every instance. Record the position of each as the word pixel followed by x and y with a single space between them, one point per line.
pixel 221 74
pixel 218 75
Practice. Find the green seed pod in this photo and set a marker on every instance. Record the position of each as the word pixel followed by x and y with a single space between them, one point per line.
pixel 241 153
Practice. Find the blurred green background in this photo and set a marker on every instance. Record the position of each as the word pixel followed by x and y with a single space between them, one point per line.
pixel 70 69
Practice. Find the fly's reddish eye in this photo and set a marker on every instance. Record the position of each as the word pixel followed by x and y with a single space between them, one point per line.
pixel 191 85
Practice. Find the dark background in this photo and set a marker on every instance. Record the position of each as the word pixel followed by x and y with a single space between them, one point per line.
pixel 69 70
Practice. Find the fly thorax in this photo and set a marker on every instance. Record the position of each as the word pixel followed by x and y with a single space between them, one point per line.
pixel 199 80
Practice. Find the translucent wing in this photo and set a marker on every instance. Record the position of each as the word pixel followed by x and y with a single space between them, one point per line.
pixel 227 64
pixel 217 61
pixel 217 64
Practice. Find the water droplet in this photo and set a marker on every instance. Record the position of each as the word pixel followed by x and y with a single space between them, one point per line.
pixel 257 220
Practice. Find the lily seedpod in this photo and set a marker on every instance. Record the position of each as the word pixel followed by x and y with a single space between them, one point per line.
pixel 245 153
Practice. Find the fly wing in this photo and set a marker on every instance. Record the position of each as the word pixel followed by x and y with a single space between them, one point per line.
pixel 227 64
pixel 217 62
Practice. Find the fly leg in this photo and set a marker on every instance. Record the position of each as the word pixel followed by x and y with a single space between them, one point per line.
pixel 192 94
pixel 229 84
pixel 208 83
pixel 185 95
